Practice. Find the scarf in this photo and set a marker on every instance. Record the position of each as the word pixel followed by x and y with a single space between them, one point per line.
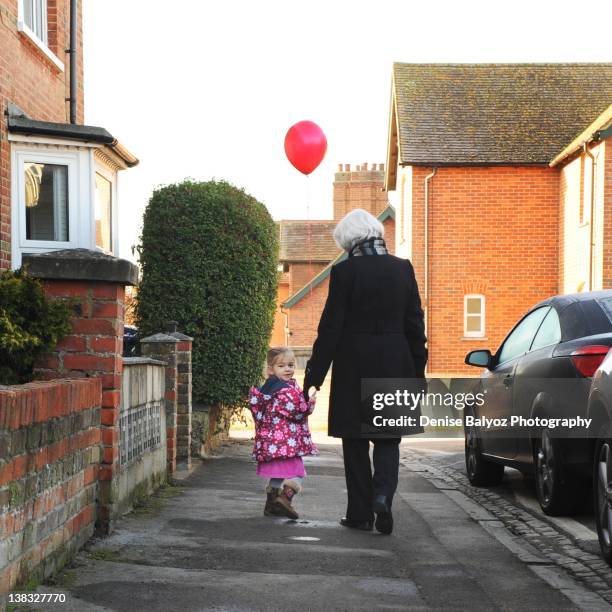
pixel 371 246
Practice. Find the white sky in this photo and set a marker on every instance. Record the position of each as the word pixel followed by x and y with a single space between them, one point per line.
pixel 207 89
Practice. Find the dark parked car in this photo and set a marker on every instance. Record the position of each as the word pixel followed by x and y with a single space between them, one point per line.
pixel 542 370
pixel 130 341
pixel 600 410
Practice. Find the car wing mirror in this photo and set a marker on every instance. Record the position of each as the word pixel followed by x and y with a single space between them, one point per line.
pixel 480 358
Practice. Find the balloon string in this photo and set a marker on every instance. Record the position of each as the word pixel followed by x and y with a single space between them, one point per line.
pixel 309 226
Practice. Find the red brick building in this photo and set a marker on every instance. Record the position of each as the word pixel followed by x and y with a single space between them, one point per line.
pixel 503 179
pixel 308 250
pixel 57 177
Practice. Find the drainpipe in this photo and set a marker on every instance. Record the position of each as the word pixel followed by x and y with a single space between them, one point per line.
pixel 73 60
pixel 592 217
pixel 426 277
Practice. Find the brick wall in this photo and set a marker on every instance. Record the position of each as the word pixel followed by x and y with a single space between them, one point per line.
pixel 361 187
pixel 29 80
pixel 304 316
pixel 300 273
pixel 49 451
pixel 93 348
pixel 492 231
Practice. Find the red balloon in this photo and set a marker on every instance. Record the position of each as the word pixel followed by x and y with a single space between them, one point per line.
pixel 305 146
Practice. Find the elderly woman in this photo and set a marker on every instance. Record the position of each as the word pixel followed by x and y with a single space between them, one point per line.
pixel 371 327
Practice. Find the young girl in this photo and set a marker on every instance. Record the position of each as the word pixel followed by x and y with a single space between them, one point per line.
pixel 282 436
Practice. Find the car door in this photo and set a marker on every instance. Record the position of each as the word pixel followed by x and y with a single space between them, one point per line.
pixel 498 385
pixel 534 374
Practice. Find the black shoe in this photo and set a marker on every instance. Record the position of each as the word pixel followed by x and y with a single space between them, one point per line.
pixel 363 525
pixel 384 518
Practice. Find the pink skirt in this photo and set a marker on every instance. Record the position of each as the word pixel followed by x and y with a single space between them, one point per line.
pixel 281 468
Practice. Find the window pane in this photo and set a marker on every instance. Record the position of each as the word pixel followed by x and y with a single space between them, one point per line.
pixel 473 323
pixel 473 305
pixel 519 341
pixel 549 332
pixel 103 213
pixel 34 15
pixel 46 199
pixel 28 13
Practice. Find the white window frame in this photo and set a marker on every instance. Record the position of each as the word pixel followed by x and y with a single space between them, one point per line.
pixel 112 177
pixel 39 157
pixel 41 43
pixel 80 205
pixel 481 332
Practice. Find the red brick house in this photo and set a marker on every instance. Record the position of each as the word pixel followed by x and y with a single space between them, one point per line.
pixel 503 179
pixel 57 177
pixel 305 261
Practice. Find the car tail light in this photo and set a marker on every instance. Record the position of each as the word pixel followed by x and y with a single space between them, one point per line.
pixel 588 358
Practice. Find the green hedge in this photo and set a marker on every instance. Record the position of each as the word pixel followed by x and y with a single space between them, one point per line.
pixel 209 254
pixel 30 325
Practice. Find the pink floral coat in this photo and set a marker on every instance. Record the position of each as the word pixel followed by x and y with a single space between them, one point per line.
pixel 281 423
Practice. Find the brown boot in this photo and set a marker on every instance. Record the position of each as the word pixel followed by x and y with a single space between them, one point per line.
pixel 271 495
pixel 283 501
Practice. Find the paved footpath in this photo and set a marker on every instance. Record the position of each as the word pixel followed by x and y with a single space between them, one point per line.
pixel 210 548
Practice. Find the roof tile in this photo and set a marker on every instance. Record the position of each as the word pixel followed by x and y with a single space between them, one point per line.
pixel 295 244
pixel 495 113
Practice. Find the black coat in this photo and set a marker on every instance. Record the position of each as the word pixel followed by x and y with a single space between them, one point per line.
pixel 371 327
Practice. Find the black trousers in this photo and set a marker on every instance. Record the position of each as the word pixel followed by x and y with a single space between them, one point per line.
pixel 361 485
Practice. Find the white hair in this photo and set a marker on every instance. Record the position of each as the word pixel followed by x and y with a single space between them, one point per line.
pixel 356 226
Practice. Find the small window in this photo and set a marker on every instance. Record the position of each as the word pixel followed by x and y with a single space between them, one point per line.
pixel 104 213
pixel 549 332
pixel 474 316
pixel 46 202
pixel 35 17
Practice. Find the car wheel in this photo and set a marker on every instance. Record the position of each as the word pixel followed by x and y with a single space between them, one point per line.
pixel 602 492
pixel 559 493
pixel 480 471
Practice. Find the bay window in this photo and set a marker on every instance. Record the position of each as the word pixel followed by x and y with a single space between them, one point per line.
pixel 62 198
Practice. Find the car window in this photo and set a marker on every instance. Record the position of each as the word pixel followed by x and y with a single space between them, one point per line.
pixel 573 324
pixel 604 324
pixel 519 341
pixel 549 332
pixel 606 304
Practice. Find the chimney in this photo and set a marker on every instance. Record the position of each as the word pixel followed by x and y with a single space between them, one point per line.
pixel 347 167
pixel 339 167
pixel 364 167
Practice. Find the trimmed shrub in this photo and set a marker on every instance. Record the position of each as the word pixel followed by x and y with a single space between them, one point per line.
pixel 30 325
pixel 209 254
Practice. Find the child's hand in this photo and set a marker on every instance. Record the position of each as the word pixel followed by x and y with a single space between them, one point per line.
pixel 311 402
pixel 312 397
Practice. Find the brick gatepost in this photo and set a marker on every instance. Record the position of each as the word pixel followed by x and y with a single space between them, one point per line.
pixel 183 396
pixel 96 284
pixel 164 347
